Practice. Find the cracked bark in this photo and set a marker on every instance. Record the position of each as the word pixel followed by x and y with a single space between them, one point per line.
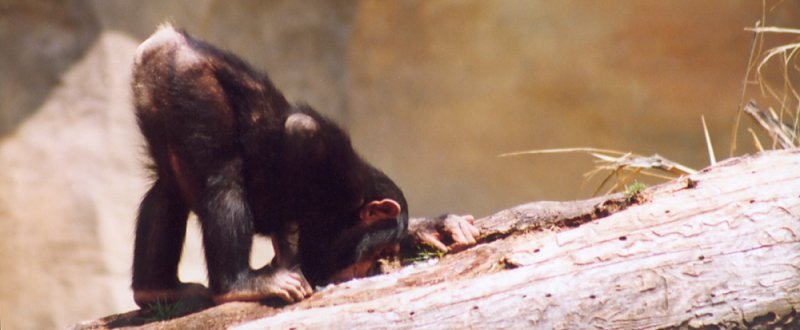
pixel 716 249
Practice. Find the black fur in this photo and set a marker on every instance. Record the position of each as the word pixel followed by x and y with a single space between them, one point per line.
pixel 215 131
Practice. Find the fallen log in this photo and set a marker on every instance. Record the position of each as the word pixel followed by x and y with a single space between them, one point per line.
pixel 719 248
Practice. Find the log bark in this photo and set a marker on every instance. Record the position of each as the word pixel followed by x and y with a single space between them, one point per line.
pixel 717 249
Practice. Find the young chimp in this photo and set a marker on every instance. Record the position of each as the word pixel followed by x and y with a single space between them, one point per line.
pixel 227 145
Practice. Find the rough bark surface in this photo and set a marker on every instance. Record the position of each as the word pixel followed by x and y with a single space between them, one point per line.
pixel 720 248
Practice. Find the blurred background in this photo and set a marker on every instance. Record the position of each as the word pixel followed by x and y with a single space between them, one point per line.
pixel 431 91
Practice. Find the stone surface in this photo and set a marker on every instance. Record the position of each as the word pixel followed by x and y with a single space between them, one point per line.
pixel 70 182
pixel 469 80
pixel 40 41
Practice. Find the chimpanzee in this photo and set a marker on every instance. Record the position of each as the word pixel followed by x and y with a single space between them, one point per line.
pixel 227 145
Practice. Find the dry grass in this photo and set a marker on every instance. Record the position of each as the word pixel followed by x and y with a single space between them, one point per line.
pixel 776 72
pixel 622 168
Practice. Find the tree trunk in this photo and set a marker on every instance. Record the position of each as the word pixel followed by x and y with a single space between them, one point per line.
pixel 716 249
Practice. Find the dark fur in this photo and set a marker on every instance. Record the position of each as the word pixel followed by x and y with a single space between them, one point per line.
pixel 215 131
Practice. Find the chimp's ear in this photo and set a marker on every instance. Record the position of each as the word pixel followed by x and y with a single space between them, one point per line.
pixel 379 210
